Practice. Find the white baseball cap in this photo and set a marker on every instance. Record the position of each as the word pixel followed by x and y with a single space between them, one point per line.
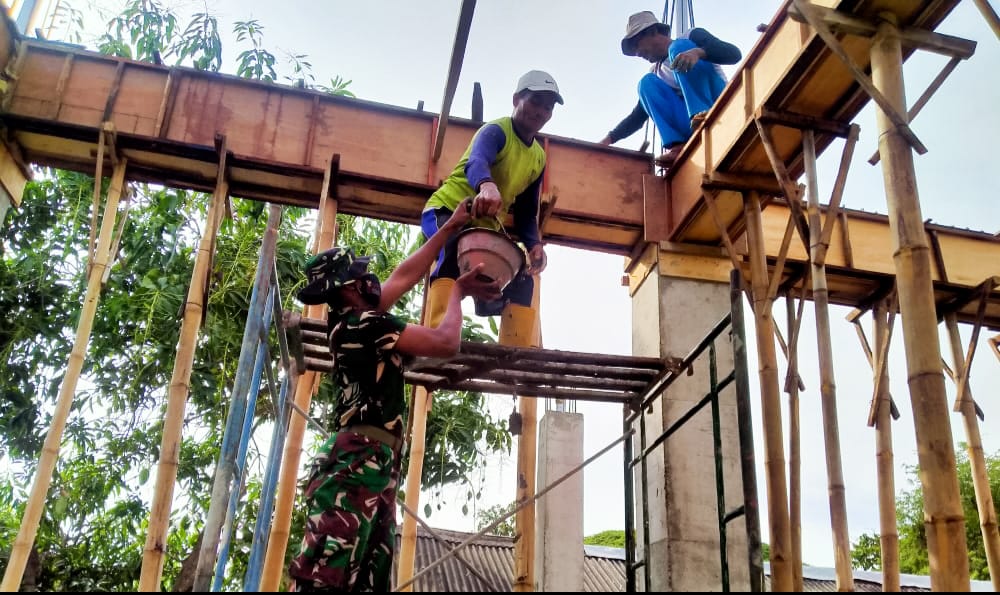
pixel 538 80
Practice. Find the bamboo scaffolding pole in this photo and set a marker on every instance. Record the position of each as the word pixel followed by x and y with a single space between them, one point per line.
pixel 95 207
pixel 774 456
pixel 21 548
pixel 944 517
pixel 513 333
pixel 416 431
pixel 828 388
pixel 177 391
pixel 794 433
pixel 417 449
pixel 977 457
pixel 989 14
pixel 277 543
pixel 884 457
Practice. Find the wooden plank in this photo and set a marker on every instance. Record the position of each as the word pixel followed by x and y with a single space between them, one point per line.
pixel 12 176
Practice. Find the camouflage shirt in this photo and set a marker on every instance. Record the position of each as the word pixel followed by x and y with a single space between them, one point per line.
pixel 368 370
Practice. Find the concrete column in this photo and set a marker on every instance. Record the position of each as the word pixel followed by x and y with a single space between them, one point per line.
pixel 559 515
pixel 671 314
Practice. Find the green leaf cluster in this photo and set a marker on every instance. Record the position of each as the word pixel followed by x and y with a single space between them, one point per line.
pixel 866 552
pixel 92 532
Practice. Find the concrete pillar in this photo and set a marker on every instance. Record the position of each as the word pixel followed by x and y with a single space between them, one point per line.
pixel 672 310
pixel 559 515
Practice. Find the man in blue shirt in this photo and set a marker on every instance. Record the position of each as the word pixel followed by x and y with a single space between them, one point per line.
pixel 682 85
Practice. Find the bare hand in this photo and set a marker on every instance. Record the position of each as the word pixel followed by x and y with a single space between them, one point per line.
pixel 537 260
pixel 606 141
pixel 474 283
pixel 461 216
pixel 685 61
pixel 487 202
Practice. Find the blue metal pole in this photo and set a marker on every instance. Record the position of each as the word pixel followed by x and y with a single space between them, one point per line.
pixel 241 456
pixel 226 466
pixel 262 530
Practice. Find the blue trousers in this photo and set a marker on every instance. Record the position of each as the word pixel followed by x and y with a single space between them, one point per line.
pixel 672 113
pixel 519 291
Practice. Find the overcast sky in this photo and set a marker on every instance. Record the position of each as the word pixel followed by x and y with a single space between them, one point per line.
pixel 397 52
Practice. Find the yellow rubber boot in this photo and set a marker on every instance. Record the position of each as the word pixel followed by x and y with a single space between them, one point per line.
pixel 517 326
pixel 437 301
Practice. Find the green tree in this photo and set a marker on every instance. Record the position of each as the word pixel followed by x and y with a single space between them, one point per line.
pixel 90 535
pixel 913 559
pixel 610 538
pixel 485 518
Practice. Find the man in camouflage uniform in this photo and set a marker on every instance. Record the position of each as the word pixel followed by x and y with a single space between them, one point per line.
pixel 351 491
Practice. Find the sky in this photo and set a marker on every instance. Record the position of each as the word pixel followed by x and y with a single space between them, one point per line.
pixel 397 52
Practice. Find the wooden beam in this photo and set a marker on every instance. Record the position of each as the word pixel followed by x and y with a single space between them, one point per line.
pixel 924 97
pixel 989 14
pixel 742 181
pixel 803 122
pixel 824 33
pixel 839 22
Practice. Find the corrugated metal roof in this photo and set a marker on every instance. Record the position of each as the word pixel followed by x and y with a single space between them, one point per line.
pixel 493 558
pixel 603 568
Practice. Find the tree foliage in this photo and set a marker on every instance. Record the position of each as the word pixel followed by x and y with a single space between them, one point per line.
pixel 485 518
pixel 913 558
pixel 93 526
pixel 610 538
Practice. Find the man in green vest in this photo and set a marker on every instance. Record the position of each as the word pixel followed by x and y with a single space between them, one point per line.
pixel 503 169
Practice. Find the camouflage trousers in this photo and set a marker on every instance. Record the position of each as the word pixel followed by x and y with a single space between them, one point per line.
pixel 350 532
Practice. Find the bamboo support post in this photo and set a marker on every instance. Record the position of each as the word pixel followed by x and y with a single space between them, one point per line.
pixel 96 203
pixel 277 543
pixel 828 389
pixel 177 391
pixel 989 14
pixel 794 435
pixel 888 532
pixel 524 521
pixel 977 457
pixel 774 459
pixel 416 431
pixel 417 448
pixel 945 521
pixel 21 548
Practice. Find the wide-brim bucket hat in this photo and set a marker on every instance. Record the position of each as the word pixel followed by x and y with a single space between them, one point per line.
pixel 638 23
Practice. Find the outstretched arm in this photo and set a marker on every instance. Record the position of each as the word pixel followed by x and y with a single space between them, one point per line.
pixel 716 50
pixel 444 339
pixel 412 270
pixel 626 127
